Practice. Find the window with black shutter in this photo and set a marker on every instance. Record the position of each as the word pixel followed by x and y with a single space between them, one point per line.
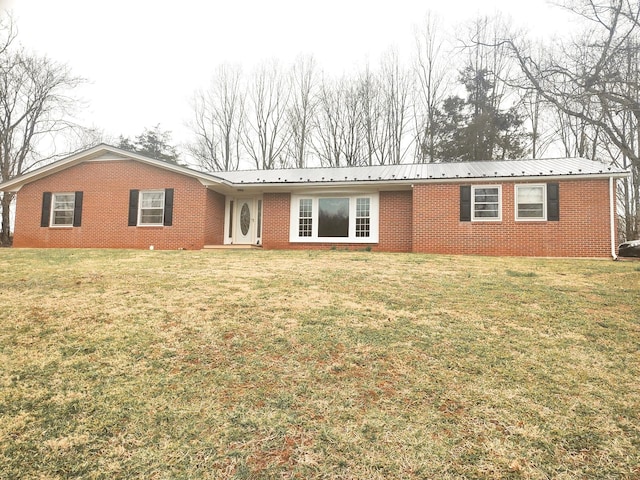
pixel 151 208
pixel 61 209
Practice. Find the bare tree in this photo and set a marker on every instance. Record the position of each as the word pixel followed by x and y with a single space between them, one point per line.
pixel 339 138
pixel 432 71
pixel 351 124
pixel 396 89
pixel 373 131
pixel 577 137
pixel 218 118
pixel 327 142
pixel 593 70
pixel 302 108
pixel 629 127
pixel 540 117
pixel 266 131
pixel 34 110
pixel 533 105
pixel 364 119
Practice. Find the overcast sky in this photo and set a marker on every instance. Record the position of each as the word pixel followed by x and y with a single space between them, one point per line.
pixel 145 58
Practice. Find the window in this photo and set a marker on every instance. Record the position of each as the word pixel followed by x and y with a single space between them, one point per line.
pixel 61 209
pixel 259 225
pixel 363 219
pixel 305 220
pixel 151 208
pixel 344 218
pixel 333 217
pixel 539 202
pixel 486 203
pixel 531 202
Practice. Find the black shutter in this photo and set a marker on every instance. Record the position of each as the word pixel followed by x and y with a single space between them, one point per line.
pixel 553 202
pixel 45 216
pixel 133 208
pixel 77 210
pixel 168 207
pixel 465 203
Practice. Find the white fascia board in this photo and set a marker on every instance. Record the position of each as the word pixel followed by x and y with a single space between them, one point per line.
pixel 16 183
pixel 101 153
pixel 369 185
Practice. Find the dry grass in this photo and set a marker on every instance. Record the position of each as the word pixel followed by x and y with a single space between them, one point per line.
pixel 333 365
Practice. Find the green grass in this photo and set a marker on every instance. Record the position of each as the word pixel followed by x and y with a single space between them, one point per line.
pixel 328 365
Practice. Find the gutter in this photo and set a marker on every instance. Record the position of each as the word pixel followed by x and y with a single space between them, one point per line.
pixel 286 186
pixel 612 213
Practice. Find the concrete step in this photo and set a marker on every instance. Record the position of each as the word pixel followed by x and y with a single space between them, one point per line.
pixel 230 247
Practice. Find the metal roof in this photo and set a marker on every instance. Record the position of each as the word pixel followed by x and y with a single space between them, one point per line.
pixel 425 172
pixel 392 176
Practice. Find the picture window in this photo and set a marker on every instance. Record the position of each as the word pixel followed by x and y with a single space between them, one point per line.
pixel 334 219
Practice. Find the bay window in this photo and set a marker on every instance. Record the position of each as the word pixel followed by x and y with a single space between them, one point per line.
pixel 334 219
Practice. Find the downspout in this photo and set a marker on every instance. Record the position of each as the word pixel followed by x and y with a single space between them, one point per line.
pixel 612 213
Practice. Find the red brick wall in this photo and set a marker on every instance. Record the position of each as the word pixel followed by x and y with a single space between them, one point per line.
pixel 214 219
pixel 395 222
pixel 275 220
pixel 583 229
pixel 105 209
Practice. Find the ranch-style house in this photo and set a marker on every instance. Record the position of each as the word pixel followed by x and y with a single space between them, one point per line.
pixel 106 197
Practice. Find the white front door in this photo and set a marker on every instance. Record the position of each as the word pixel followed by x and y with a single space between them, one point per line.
pixel 244 222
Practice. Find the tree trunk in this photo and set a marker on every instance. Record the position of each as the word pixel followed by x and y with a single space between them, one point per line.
pixel 5 233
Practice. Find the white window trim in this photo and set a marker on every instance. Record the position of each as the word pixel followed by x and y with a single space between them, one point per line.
pixel 374 215
pixel 473 204
pixel 53 210
pixel 544 203
pixel 140 195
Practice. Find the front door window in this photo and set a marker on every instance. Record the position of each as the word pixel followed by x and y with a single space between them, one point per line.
pixel 245 219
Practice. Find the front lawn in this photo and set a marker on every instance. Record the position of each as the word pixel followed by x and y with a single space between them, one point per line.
pixel 328 365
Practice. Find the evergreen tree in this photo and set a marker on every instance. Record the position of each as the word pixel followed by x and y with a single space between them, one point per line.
pixel 474 128
pixel 153 143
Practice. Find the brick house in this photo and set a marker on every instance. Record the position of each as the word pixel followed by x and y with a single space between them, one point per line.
pixel 106 197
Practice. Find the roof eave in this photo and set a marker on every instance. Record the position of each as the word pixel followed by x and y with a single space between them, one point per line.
pixel 97 153
pixel 408 183
pixel 226 186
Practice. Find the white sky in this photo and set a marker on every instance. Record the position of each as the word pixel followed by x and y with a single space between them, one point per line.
pixel 145 58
